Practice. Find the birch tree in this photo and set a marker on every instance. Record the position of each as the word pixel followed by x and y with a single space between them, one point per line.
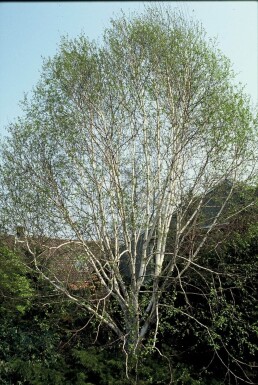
pixel 121 144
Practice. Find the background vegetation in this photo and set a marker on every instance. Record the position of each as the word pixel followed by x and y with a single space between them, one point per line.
pixel 45 339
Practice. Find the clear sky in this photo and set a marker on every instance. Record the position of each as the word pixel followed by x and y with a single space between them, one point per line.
pixel 32 30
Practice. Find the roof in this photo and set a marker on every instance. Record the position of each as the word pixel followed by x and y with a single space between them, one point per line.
pixel 66 261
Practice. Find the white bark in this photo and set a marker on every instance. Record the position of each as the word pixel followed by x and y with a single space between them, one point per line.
pixel 141 135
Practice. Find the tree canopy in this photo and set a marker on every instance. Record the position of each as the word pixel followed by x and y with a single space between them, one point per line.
pixel 122 143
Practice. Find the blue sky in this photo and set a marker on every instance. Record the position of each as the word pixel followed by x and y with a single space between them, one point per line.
pixel 30 31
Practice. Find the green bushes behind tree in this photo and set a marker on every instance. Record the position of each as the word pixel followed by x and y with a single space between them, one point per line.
pixel 44 340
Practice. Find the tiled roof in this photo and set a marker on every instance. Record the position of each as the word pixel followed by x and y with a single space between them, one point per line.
pixel 65 260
